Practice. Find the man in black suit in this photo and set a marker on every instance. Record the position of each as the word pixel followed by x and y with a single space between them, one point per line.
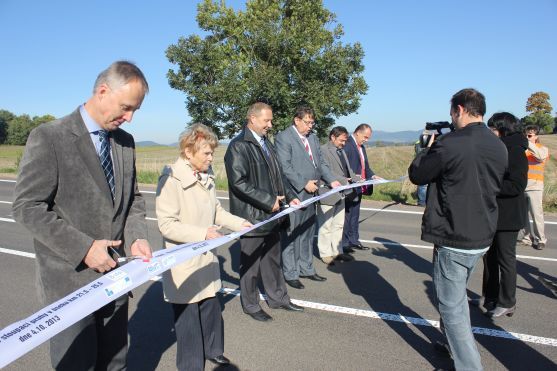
pixel 257 191
pixel 357 158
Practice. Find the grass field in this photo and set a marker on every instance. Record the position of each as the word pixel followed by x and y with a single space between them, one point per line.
pixel 387 162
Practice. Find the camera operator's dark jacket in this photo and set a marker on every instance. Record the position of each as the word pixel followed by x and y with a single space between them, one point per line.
pixel 254 183
pixel 464 170
pixel 511 198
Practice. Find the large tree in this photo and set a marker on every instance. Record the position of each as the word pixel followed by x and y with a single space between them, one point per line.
pixel 282 52
pixel 540 111
pixel 539 102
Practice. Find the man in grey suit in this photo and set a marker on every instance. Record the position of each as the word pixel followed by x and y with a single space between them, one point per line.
pixel 77 194
pixel 301 160
pixel 330 212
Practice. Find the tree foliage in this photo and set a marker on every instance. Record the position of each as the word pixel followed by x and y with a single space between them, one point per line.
pixel 5 117
pixel 543 120
pixel 19 127
pixel 282 52
pixel 539 102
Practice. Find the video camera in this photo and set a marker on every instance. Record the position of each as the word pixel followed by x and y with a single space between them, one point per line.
pixel 438 126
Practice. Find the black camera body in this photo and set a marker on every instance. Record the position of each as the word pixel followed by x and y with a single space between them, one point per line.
pixel 437 126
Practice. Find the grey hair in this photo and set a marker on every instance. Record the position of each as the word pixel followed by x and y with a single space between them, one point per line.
pixel 119 74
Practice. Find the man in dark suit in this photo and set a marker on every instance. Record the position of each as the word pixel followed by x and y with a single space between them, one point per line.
pixel 330 211
pixel 357 158
pixel 257 191
pixel 77 194
pixel 301 160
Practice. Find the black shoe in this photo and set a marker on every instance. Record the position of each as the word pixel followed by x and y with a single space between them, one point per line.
pixel 220 360
pixel 442 348
pixel 295 283
pixel 360 247
pixel 291 307
pixel 539 246
pixel 344 258
pixel 260 316
pixel 348 250
pixel 315 277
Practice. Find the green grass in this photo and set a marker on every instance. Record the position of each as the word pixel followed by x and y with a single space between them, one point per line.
pixel 387 162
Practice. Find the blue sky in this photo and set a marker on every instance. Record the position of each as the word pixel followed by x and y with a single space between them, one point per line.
pixel 418 53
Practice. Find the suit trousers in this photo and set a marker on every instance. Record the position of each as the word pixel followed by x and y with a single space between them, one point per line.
pixel 535 208
pixel 351 234
pixel 499 278
pixel 260 257
pixel 97 342
pixel 199 333
pixel 297 255
pixel 331 224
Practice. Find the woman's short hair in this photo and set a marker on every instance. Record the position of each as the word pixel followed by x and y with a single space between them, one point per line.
pixel 506 123
pixel 196 136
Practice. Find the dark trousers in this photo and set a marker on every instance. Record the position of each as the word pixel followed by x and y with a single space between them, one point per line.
pixel 499 278
pixel 199 333
pixel 297 255
pixel 96 342
pixel 260 257
pixel 351 233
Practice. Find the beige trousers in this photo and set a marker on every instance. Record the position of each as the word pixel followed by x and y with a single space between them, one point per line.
pixel 331 223
pixel 535 211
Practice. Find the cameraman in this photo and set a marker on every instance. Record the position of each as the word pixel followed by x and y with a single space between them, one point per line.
pixel 464 170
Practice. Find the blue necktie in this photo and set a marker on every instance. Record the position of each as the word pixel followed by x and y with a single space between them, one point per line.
pixel 106 160
pixel 264 146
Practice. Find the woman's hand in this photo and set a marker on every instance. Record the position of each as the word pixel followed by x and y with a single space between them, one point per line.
pixel 212 232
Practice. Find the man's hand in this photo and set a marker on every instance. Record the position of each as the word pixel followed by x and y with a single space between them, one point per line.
pixel 311 186
pixel 335 184
pixel 276 206
pixel 97 257
pixel 294 202
pixel 212 232
pixel 141 247
pixel 431 139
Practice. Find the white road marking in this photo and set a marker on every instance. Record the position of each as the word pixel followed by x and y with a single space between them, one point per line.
pixel 368 313
pixel 7 180
pixel 7 220
pixel 5 202
pixel 409 320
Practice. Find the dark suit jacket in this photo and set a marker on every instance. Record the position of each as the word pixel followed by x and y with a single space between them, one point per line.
pixel 296 164
pixel 332 159
pixel 351 150
pixel 63 199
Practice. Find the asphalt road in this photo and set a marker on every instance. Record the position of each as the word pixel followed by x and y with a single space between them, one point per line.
pixel 366 316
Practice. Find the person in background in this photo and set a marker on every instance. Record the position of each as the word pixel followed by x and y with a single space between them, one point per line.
pixel 537 155
pixel 422 189
pixel 330 212
pixel 188 211
pixel 499 275
pixel 464 170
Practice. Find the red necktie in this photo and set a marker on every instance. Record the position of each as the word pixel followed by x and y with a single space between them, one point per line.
pixel 306 144
pixel 363 165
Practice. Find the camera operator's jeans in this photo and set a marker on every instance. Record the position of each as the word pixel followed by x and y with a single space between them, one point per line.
pixel 422 192
pixel 451 272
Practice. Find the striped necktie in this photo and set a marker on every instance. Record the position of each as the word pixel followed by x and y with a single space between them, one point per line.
pixel 106 160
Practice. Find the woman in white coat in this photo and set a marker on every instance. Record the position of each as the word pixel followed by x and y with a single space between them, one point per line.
pixel 189 211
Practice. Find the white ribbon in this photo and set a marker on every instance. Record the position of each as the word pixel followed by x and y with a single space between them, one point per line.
pixel 21 337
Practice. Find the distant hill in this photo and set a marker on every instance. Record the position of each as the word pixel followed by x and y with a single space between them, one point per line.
pixel 407 136
pixel 148 143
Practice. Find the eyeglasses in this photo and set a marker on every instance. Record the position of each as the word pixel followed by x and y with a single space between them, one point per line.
pixel 308 122
pixel 531 135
